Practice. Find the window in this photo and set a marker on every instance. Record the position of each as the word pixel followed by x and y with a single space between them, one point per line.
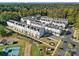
pixel 32 28
pixel 23 25
pixel 28 26
pixel 38 29
pixel 24 21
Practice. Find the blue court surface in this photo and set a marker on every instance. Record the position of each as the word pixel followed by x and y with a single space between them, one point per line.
pixel 14 51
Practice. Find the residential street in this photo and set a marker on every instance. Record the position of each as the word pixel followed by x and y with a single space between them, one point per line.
pixel 66 40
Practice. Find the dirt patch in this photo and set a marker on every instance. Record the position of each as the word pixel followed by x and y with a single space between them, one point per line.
pixel 27 50
pixel 76 33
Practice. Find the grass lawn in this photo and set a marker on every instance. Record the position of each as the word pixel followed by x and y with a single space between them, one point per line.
pixel 35 50
pixel 70 45
pixel 67 53
pixel 38 50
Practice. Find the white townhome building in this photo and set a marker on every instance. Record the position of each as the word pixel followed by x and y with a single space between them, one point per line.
pixel 46 19
pixel 37 26
pixel 54 29
pixel 52 25
pixel 16 25
pixel 60 22
pixel 33 31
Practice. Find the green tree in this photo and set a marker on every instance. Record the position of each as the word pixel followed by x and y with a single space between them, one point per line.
pixel 77 22
pixel 71 16
pixel 2 30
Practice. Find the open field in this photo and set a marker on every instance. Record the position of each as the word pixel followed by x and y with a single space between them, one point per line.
pixel 26 44
pixel 42 50
pixel 35 51
pixel 38 50
pixel 21 42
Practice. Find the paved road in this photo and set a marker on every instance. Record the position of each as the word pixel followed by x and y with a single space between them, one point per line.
pixel 64 46
pixel 77 53
pixel 68 39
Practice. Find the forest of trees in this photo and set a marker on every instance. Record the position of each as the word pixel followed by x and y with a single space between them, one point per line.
pixel 17 10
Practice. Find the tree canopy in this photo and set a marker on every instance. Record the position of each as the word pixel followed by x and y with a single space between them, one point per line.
pixel 2 30
pixel 15 11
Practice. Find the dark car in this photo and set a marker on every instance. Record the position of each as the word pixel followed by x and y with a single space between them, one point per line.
pixel 65 41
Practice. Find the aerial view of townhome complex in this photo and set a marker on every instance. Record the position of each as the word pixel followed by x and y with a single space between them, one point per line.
pixel 39 29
